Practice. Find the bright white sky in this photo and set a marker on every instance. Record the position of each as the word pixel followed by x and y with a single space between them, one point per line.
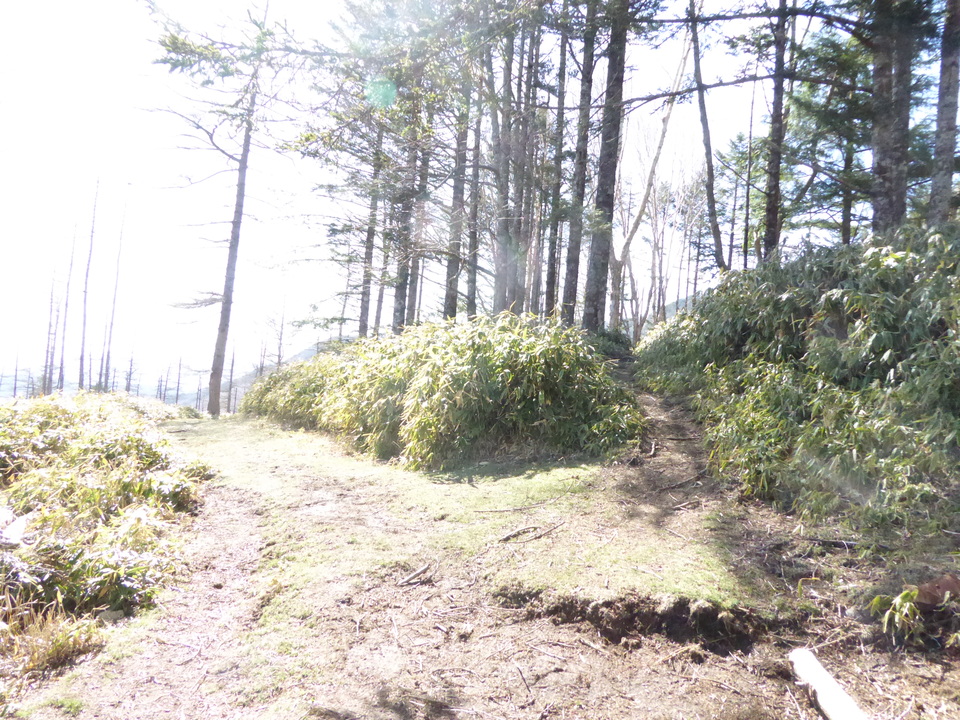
pixel 80 106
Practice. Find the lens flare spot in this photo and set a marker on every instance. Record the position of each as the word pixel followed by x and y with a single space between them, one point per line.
pixel 381 92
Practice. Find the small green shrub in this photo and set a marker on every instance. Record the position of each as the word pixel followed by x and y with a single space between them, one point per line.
pixel 441 393
pixel 614 344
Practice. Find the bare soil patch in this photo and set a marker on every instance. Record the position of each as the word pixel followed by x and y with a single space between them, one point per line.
pixel 316 584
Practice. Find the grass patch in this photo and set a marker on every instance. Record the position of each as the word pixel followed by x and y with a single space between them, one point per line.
pixel 68 706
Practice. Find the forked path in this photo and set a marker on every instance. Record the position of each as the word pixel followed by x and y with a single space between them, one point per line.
pixel 292 603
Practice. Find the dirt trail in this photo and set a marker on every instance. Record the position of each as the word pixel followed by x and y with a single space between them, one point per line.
pixel 289 607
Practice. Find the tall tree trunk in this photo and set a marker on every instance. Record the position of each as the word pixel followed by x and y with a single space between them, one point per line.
pixel 748 182
pixel 846 194
pixel 419 204
pixel 226 304
pixel 553 245
pixel 945 144
pixel 707 144
pixel 457 209
pixel 366 283
pixel 46 386
pixel 894 45
pixel 404 241
pixel 473 233
pixel 86 287
pixel 771 233
pixel 572 276
pixel 384 272
pixel 176 399
pixel 61 379
pixel 113 306
pixel 595 292
pixel 501 123
pixel 517 160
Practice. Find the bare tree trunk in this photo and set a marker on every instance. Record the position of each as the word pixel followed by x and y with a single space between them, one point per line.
pixel 46 386
pixel 846 194
pixel 226 304
pixel 945 145
pixel 749 183
pixel 707 145
pixel 283 324
pixel 61 379
pixel 369 242
pixel 572 277
pixel 457 210
pixel 473 234
pixel 113 305
pixel 383 283
pixel 342 318
pixel 501 132
pixel 176 399
pixel 595 292
pixel 230 406
pixel 413 290
pixel 86 287
pixel 404 232
pixel 771 234
pixel 553 246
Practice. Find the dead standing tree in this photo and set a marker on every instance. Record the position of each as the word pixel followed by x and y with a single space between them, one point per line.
pixel 241 71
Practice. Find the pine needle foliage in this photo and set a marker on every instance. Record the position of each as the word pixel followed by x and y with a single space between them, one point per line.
pixel 100 489
pixel 832 381
pixel 443 393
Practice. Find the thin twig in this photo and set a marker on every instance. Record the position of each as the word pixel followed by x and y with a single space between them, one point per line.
pixel 800 713
pixel 517 533
pixel 541 534
pixel 523 678
pixel 671 656
pixel 516 509
pixel 592 646
pixel 649 572
pixel 548 654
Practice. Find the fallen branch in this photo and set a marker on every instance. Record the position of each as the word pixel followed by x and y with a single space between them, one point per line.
pixel 414 575
pixel 518 533
pixel 826 692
